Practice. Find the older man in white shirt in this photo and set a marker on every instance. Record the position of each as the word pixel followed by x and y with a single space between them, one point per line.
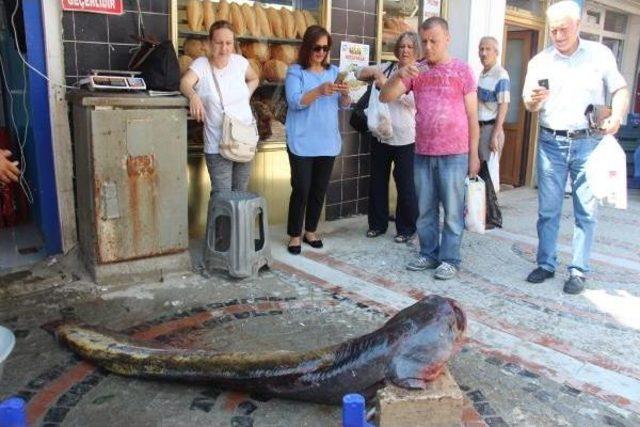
pixel 561 82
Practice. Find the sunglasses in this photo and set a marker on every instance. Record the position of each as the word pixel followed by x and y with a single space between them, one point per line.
pixel 318 48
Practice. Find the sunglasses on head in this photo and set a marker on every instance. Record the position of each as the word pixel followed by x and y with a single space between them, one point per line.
pixel 318 48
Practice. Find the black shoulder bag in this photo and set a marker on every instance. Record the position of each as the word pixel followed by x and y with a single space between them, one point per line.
pixel 358 119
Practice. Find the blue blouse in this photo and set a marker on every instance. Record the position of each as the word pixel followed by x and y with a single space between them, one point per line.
pixel 312 130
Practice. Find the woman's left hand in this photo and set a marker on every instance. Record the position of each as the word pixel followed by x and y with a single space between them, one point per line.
pixel 342 88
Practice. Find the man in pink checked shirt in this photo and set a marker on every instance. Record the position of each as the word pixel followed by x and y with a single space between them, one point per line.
pixel 447 134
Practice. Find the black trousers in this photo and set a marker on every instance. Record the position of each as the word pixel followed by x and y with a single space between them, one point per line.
pixel 309 182
pixel 382 156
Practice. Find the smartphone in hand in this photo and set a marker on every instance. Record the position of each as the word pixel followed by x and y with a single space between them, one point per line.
pixel 341 76
pixel 544 83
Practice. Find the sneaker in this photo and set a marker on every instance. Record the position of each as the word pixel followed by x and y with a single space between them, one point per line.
pixel 421 263
pixel 539 275
pixel 445 271
pixel 574 285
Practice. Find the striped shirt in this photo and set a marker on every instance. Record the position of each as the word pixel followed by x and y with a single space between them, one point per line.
pixel 493 89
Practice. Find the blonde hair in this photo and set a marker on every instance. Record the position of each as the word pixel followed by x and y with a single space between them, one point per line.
pixel 564 9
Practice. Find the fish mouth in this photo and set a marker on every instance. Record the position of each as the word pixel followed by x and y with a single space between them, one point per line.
pixel 461 318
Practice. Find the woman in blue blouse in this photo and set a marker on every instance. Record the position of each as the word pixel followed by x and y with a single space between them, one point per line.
pixel 313 134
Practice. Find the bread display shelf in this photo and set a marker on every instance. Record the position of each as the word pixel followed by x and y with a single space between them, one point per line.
pixel 244 38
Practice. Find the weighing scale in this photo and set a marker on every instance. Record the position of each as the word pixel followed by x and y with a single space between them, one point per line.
pixel 127 81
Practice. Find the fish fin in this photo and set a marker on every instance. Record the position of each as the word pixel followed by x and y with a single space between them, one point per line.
pixel 410 383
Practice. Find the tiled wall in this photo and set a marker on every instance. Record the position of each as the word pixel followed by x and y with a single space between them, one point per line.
pixel 355 21
pixel 94 41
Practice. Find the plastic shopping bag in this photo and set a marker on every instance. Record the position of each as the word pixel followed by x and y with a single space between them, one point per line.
pixel 475 205
pixel 606 172
pixel 494 215
pixel 378 117
pixel 494 170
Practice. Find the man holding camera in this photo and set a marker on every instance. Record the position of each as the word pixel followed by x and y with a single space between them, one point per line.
pixel 562 83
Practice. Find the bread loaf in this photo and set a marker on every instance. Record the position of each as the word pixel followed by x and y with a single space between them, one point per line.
pixel 257 66
pixel 249 16
pixel 276 23
pixel 255 50
pixel 222 11
pixel 237 20
pixel 288 23
pixel 262 21
pixel 192 48
pixel 194 15
pixel 274 70
pixel 301 23
pixel 308 17
pixel 205 47
pixel 285 53
pixel 208 13
pixel 184 61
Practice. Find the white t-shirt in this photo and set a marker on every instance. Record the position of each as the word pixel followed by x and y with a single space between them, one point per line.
pixel 235 93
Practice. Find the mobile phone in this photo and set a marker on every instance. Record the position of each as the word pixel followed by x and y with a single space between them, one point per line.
pixel 341 76
pixel 544 83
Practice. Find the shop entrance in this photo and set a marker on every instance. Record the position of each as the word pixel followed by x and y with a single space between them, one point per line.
pixel 520 47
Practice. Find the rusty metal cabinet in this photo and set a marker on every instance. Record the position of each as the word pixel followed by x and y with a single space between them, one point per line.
pixel 131 183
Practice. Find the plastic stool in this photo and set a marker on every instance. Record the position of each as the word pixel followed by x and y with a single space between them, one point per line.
pixel 353 414
pixel 237 236
pixel 13 413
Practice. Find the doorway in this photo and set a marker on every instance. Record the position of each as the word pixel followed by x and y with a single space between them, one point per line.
pixel 520 47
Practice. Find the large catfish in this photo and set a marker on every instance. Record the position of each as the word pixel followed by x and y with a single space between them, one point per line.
pixel 409 350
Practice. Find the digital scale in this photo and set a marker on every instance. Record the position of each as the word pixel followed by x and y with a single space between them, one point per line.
pixel 114 80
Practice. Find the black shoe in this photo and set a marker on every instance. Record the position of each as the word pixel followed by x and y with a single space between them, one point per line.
pixel 294 249
pixel 574 285
pixel 316 244
pixel 539 275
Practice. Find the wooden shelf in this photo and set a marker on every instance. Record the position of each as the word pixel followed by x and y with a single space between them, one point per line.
pixel 204 34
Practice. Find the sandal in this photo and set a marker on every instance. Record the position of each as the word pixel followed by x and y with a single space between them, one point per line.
pixel 402 238
pixel 375 233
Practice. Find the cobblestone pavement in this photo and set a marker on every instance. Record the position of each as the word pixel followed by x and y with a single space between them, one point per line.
pixel 534 356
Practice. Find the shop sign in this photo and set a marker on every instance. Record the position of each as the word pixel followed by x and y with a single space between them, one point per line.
pixel 109 7
pixel 352 56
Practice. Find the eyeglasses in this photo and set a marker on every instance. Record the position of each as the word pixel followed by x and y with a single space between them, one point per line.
pixel 318 48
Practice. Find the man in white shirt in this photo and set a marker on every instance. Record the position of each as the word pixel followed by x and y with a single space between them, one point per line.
pixel 561 82
pixel 493 99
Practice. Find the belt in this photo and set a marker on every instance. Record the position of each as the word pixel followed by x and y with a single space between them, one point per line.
pixel 571 134
pixel 487 122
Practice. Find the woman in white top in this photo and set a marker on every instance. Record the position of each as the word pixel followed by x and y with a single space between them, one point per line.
pixel 397 151
pixel 237 81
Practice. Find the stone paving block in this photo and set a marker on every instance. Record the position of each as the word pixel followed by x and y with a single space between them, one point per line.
pixel 440 405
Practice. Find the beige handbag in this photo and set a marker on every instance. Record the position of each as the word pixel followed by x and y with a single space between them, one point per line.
pixel 239 140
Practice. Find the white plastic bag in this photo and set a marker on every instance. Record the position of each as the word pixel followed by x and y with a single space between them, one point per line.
pixel 606 172
pixel 475 211
pixel 378 117
pixel 494 170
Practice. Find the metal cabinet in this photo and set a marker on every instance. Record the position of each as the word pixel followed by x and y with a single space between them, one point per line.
pixel 131 183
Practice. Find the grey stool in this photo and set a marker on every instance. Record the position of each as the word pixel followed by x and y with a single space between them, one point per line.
pixel 237 236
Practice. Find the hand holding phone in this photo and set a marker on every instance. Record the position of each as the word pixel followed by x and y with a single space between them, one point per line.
pixel 544 83
pixel 341 76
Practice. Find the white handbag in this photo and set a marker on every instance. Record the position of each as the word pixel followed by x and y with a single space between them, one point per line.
pixel 239 139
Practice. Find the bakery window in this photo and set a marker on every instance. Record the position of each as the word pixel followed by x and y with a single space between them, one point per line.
pixel 398 16
pixel 268 34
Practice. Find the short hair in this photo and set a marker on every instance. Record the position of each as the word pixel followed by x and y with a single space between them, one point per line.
pixel 564 9
pixel 309 40
pixel 218 25
pixel 492 40
pixel 417 45
pixel 435 21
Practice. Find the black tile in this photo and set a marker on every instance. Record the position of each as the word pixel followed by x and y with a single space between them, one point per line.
pixel 349 190
pixel 355 23
pixel 332 212
pixel 340 4
pixel 120 56
pixel 335 46
pixel 371 7
pixel 348 209
pixel 357 4
pixel 156 25
pixel 339 21
pixel 350 167
pixel 91 27
pixel 122 27
pixel 159 6
pixel 363 206
pixel 67 26
pixel 336 172
pixel 92 56
pixel 370 26
pixel 70 59
pixel 131 5
pixel 334 193
pixel 365 165
pixel 350 143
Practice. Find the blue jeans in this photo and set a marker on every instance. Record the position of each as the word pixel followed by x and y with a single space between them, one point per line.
pixel 557 157
pixel 440 179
